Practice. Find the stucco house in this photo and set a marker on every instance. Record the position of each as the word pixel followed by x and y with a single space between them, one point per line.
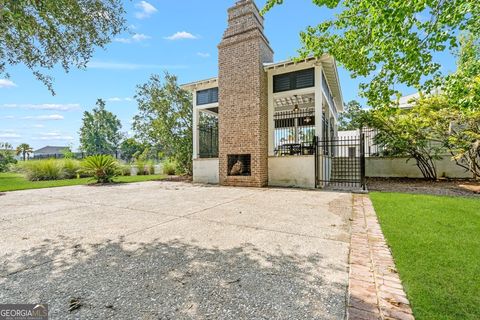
pixel 259 122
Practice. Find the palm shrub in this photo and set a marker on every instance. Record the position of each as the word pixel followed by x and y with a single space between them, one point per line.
pixel 38 170
pixel 101 167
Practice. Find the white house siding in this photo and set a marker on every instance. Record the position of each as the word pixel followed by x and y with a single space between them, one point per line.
pixel 294 171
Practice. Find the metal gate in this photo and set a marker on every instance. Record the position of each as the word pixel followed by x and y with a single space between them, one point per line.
pixel 340 162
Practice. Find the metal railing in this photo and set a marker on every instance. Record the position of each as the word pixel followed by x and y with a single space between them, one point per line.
pixel 294 132
pixel 208 141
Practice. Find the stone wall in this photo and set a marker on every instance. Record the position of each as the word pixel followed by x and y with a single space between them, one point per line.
pixel 243 94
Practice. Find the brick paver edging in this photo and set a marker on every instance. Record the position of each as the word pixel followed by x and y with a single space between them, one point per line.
pixel 375 290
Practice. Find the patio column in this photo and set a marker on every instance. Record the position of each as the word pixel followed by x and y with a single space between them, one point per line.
pixel 195 129
pixel 271 121
pixel 318 102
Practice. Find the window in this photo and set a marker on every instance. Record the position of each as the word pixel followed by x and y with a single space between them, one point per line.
pixel 294 80
pixel 207 96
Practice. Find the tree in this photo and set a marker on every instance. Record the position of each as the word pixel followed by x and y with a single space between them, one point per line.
pixel 455 112
pixel 41 34
pixel 100 132
pixel 24 149
pixel 130 148
pixel 406 133
pixel 165 118
pixel 351 117
pixel 6 156
pixel 390 42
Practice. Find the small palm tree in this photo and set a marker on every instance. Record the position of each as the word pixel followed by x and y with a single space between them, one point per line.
pixel 24 149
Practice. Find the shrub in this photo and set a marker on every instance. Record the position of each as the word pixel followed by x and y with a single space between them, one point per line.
pixel 38 170
pixel 102 167
pixel 170 167
pixel 126 170
pixel 141 168
pixel 151 167
pixel 71 168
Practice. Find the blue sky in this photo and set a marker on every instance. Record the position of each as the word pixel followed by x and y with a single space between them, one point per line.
pixel 178 36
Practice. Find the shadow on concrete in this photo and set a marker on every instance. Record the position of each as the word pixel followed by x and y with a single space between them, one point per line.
pixel 169 280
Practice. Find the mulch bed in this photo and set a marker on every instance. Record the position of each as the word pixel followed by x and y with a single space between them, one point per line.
pixel 179 178
pixel 465 188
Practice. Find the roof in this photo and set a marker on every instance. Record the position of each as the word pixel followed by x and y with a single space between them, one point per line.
pixel 50 150
pixel 198 84
pixel 330 70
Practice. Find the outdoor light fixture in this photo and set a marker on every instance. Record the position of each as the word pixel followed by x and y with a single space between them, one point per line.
pixel 308 120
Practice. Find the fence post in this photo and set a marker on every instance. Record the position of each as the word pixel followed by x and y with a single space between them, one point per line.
pixel 362 160
pixel 315 151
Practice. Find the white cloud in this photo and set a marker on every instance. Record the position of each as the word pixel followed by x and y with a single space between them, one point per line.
pixel 9 134
pixel 117 99
pixel 38 126
pixel 53 136
pixel 140 37
pixel 137 37
pixel 123 40
pixel 7 117
pixel 44 106
pixel 53 117
pixel 181 35
pixel 145 10
pixel 130 66
pixel 203 54
pixel 5 83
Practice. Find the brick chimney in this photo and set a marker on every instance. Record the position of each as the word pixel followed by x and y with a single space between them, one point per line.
pixel 243 94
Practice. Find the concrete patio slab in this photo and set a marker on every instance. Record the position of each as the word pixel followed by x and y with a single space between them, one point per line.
pixel 163 250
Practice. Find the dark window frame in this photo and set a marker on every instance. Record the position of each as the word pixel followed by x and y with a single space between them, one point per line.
pixel 293 78
pixel 212 96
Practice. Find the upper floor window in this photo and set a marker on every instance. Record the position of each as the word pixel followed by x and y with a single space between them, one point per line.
pixel 294 80
pixel 207 96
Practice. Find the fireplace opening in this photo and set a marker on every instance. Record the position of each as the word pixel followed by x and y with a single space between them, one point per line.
pixel 239 165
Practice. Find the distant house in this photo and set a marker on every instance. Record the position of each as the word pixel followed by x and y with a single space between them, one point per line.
pixel 49 152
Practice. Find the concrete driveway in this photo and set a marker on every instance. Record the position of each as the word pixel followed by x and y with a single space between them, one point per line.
pixel 166 250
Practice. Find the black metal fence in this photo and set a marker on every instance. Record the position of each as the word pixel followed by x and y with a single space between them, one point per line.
pixel 208 141
pixel 294 132
pixel 340 162
pixel 75 155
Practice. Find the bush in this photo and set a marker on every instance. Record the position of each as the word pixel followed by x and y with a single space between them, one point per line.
pixel 141 169
pixel 170 167
pixel 151 167
pixel 102 167
pixel 6 159
pixel 71 168
pixel 38 170
pixel 126 170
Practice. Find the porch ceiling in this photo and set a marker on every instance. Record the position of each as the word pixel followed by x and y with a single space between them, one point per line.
pixel 289 102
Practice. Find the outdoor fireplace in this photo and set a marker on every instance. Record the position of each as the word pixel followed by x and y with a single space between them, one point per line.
pixel 239 165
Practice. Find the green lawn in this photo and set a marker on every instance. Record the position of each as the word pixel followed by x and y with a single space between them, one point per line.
pixel 15 181
pixel 436 245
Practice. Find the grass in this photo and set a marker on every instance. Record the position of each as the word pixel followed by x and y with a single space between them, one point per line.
pixel 15 181
pixel 435 241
